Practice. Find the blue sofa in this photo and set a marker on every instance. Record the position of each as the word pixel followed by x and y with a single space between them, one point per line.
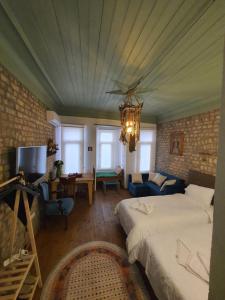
pixel 148 188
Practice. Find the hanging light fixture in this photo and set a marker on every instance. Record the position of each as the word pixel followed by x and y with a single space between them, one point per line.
pixel 130 116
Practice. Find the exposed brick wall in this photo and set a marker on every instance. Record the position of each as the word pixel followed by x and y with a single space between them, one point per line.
pixel 200 144
pixel 22 123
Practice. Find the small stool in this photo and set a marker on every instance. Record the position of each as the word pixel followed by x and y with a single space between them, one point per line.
pixel 111 183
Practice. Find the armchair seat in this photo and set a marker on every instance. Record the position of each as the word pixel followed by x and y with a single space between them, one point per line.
pixel 67 205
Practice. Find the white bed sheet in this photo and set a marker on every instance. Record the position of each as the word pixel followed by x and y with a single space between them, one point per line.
pixel 168 213
pixel 170 280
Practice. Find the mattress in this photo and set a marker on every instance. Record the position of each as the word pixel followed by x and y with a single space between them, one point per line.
pixel 170 280
pixel 168 213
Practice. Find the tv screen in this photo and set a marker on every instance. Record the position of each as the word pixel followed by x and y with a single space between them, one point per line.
pixel 32 161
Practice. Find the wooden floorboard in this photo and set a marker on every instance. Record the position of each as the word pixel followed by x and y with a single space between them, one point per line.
pixel 86 223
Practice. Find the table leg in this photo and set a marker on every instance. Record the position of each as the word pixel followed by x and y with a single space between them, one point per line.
pixel 90 192
pixel 104 187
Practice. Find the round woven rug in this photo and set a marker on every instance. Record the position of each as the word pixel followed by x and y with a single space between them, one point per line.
pixel 96 270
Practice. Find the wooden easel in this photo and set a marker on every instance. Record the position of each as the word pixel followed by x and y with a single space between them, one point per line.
pixel 13 277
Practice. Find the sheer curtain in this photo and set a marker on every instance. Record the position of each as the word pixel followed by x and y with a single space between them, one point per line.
pixel 72 143
pixel 108 148
pixel 144 155
pixel 143 159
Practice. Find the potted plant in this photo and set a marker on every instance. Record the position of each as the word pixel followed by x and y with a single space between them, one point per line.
pixel 58 164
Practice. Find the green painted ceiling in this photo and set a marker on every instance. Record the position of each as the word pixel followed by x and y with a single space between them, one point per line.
pixel 69 52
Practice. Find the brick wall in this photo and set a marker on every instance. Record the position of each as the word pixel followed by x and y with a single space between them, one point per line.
pixel 22 123
pixel 200 144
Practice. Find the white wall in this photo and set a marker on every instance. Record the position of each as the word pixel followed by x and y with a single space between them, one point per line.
pixel 90 139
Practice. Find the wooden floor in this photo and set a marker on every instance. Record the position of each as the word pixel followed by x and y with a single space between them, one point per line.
pixel 86 223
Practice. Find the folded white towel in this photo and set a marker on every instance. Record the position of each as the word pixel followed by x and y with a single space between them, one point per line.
pixel 196 264
pixel 205 260
pixel 183 254
pixel 145 208
pixel 198 269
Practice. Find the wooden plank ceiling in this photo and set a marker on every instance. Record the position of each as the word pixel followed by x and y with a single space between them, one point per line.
pixel 69 52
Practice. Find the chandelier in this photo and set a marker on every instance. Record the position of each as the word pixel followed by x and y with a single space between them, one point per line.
pixel 130 115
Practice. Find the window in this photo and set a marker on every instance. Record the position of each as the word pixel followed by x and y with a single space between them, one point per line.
pixel 144 151
pixel 108 149
pixel 72 149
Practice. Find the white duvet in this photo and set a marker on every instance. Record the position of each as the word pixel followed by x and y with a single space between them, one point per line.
pixel 168 213
pixel 170 280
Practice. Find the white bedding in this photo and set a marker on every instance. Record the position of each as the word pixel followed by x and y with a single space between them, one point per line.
pixel 169 212
pixel 170 280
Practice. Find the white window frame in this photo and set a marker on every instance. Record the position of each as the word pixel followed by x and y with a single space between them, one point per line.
pixel 80 143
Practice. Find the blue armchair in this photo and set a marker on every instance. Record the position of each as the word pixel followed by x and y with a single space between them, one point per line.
pixel 56 207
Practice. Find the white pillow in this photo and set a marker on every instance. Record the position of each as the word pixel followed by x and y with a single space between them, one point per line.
pixel 159 179
pixel 202 195
pixel 167 183
pixel 151 175
pixel 118 169
pixel 137 178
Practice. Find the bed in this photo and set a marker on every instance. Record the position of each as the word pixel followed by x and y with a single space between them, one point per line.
pixel 169 279
pixel 169 212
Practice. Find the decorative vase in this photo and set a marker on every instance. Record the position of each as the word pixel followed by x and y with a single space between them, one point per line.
pixel 58 171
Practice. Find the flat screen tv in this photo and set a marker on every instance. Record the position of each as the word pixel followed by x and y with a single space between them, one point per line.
pixel 32 161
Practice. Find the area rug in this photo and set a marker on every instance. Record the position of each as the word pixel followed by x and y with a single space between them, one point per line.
pixel 95 270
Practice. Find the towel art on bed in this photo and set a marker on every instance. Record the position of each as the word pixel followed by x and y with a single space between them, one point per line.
pixel 194 263
pixel 145 208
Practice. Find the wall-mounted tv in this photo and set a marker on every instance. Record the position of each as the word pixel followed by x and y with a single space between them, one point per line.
pixel 32 161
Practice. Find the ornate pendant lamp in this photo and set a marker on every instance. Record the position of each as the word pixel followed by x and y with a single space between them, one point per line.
pixel 130 116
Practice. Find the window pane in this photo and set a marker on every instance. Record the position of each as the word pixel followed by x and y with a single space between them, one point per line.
pixel 106 136
pixel 72 158
pixel 106 156
pixel 146 136
pixel 145 157
pixel 70 134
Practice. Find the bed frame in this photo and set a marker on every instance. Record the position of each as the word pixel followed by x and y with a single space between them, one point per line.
pixel 201 179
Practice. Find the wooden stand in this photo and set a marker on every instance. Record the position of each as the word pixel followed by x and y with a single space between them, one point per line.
pixel 15 279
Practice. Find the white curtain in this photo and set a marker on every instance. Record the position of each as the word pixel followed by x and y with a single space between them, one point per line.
pixel 72 143
pixel 143 159
pixel 144 152
pixel 108 148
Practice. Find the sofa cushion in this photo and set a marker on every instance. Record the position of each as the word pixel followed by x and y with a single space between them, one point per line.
pixel 167 183
pixel 137 178
pixel 138 189
pixel 154 189
pixel 151 176
pixel 169 176
pixel 159 179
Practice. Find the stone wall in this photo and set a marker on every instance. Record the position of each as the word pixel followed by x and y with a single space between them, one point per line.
pixel 200 144
pixel 22 123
